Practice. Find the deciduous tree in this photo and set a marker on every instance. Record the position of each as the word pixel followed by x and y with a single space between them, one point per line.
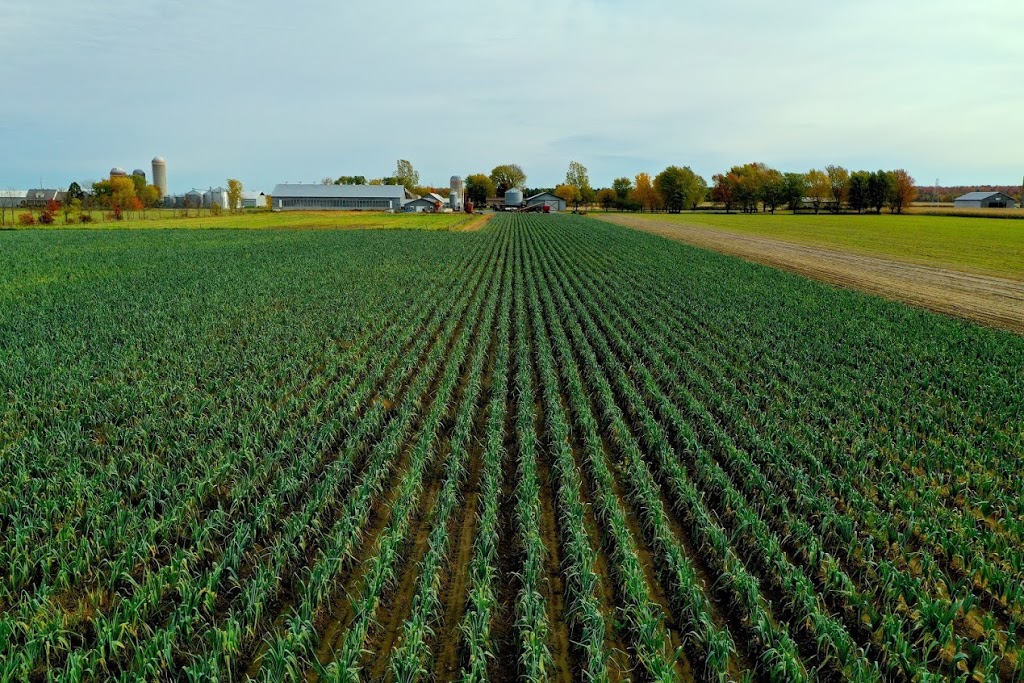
pixel 644 192
pixel 606 198
pixel 773 189
pixel 622 187
pixel 903 190
pixel 507 176
pixel 818 188
pixel 859 196
pixel 796 190
pixel 680 188
pixel 235 194
pixel 406 175
pixel 723 190
pixel 838 184
pixel 351 180
pixel 569 193
pixel 880 187
pixel 577 177
pixel 478 188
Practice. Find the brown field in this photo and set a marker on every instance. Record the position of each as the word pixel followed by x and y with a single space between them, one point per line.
pixel 994 301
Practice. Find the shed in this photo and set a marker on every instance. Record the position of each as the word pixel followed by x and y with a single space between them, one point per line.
pixel 548 199
pixel 985 200
pixel 12 199
pixel 254 200
pixel 304 197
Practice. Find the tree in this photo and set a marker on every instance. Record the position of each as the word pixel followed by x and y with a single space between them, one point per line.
pixel 796 190
pixel 859 194
pixel 327 180
pixel 122 196
pixel 607 198
pixel 75 191
pixel 838 184
pixel 903 190
pixel 622 187
pixel 723 190
pixel 773 189
pixel 577 177
pixel 150 196
pixel 680 188
pixel 644 192
pixel 507 176
pixel 235 194
pixel 569 193
pixel 351 180
pixel 478 188
pixel 880 188
pixel 818 188
pixel 406 175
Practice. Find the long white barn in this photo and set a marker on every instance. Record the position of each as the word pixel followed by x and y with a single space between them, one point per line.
pixel 303 197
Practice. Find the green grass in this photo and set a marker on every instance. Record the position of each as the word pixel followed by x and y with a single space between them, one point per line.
pixel 981 245
pixel 164 219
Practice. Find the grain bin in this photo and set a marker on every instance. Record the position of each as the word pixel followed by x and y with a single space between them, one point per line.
pixel 514 197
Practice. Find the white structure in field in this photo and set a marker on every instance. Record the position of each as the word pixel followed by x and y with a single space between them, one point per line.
pixel 304 197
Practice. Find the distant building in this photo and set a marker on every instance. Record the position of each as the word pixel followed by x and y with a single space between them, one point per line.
pixel 12 199
pixel 985 200
pixel 428 202
pixel 40 198
pixel 289 197
pixel 215 195
pixel 552 201
pixel 254 200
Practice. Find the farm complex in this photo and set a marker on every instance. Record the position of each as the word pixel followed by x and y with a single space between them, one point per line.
pixel 552 449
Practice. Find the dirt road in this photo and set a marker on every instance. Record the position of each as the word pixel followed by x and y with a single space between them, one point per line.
pixel 988 300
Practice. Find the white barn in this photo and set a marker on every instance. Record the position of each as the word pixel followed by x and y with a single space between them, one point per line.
pixel 289 197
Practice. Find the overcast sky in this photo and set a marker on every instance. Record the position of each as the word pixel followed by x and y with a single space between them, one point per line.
pixel 293 91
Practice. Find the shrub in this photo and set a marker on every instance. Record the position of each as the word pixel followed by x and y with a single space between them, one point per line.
pixel 215 209
pixel 26 219
pixel 46 218
pixel 85 218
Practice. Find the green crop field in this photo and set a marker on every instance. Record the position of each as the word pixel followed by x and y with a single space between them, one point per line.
pixel 165 219
pixel 984 245
pixel 550 450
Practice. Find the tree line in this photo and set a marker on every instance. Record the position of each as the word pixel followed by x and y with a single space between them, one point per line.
pixel 745 188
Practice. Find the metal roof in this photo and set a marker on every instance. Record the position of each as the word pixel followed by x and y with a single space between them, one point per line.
pixel 975 196
pixel 542 194
pixel 339 191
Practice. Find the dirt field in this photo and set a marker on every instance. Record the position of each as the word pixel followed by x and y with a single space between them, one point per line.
pixel 988 300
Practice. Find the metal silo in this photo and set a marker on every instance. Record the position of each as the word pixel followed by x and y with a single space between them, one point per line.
pixel 160 175
pixel 514 197
pixel 118 172
pixel 139 172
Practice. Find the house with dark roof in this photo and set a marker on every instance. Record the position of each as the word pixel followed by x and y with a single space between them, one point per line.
pixel 304 197
pixel 985 200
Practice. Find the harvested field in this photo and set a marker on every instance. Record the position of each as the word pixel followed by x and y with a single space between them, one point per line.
pixel 988 300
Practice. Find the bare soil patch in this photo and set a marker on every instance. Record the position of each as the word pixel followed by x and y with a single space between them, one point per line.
pixel 475 224
pixel 993 301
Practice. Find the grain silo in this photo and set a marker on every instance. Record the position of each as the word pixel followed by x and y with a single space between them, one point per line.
pixel 139 173
pixel 118 172
pixel 514 197
pixel 455 193
pixel 160 175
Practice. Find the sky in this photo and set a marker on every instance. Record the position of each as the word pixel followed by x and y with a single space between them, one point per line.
pixel 272 92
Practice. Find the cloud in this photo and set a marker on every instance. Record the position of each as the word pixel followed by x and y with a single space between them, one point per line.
pixel 269 93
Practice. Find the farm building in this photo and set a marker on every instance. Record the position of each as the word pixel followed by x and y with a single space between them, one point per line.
pixel 288 197
pixel 552 201
pixel 428 202
pixel 254 200
pixel 985 200
pixel 12 198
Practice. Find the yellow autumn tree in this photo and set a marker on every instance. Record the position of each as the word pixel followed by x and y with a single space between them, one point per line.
pixel 644 192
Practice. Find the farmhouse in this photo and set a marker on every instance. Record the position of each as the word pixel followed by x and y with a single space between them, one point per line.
pixel 299 197
pixel 546 199
pixel 11 199
pixel 985 200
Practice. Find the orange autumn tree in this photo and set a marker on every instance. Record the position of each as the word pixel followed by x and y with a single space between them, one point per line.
pixel 644 192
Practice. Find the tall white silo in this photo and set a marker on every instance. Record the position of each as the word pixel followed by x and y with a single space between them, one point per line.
pixel 160 175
